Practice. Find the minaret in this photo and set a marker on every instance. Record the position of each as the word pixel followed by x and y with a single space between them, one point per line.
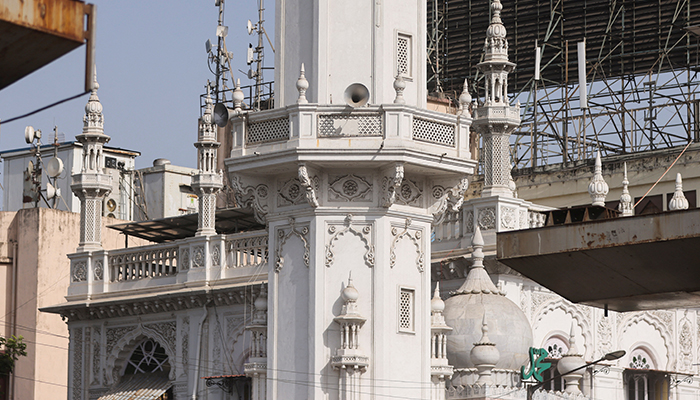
pixel 495 120
pixel 678 202
pixel 440 369
pixel 625 206
pixel 349 359
pixel 256 367
pixel 570 361
pixel 91 185
pixel 598 188
pixel 207 182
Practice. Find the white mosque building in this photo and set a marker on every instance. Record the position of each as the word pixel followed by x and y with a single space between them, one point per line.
pixel 367 276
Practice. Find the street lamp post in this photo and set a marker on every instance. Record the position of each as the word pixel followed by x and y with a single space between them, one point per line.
pixel 608 357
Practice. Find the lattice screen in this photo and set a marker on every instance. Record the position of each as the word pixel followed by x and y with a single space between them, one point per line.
pixel 406 310
pixel 350 125
pixel 433 132
pixel 268 131
pixel 403 54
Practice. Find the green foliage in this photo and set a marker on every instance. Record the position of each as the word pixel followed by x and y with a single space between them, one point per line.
pixel 12 348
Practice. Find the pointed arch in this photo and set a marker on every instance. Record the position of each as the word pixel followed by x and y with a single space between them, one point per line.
pixel 119 356
pixel 581 320
pixel 659 325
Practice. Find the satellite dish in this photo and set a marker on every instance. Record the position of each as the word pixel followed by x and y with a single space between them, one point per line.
pixel 54 167
pixel 222 31
pixel 29 134
pixel 250 27
pixel 50 191
pixel 30 167
pixel 208 46
pixel 111 205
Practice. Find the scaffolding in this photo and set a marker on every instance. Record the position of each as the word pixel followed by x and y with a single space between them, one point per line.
pixel 641 69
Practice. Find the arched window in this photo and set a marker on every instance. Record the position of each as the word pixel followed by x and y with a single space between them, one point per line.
pixel 556 346
pixel 148 357
pixel 642 379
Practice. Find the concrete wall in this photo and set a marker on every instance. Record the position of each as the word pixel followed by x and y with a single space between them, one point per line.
pixel 43 237
pixel 166 192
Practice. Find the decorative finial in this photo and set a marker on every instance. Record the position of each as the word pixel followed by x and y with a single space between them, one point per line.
pixel 598 188
pixel 625 205
pixel 93 121
pixel 302 85
pixel 399 86
pixel 208 108
pixel 478 280
pixel 350 294
pixel 464 100
pixel 678 202
pixel 436 304
pixel 571 361
pixel 95 85
pixel 484 355
pixel 238 96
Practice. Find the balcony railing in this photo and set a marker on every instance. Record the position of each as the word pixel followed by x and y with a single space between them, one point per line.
pixel 193 261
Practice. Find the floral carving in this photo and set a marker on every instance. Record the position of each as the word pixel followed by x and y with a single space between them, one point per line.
pixel 251 196
pixel 185 259
pixel 349 188
pixel 508 218
pixel 185 343
pixel 487 218
pixel 198 259
pixel 685 345
pixel 216 255
pixel 448 197
pixel 114 334
pixel 99 270
pixel 469 221
pixel 308 184
pixel 96 356
pixel 80 271
pixel 409 193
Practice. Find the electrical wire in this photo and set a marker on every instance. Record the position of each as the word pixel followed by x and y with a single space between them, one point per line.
pixel 7 121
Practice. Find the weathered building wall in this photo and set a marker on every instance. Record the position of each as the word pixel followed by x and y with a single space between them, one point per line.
pixel 43 237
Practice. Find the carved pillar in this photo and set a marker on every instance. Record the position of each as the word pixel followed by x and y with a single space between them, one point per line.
pixel 256 367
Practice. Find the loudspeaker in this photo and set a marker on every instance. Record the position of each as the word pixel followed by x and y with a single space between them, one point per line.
pixel 222 114
pixel 356 95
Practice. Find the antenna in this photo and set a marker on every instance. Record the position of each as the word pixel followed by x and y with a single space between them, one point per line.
pixel 33 175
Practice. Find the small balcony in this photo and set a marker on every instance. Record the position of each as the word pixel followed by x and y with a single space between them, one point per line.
pixel 191 262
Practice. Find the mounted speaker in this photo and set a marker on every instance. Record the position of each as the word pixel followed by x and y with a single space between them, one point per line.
pixel 356 95
pixel 222 114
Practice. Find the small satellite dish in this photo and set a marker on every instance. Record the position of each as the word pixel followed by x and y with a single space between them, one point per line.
pixel 250 27
pixel 207 45
pixel 54 167
pixel 29 134
pixel 50 191
pixel 30 167
pixel 111 205
pixel 222 31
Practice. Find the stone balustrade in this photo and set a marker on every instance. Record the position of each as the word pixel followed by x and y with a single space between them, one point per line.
pixel 190 262
pixel 313 126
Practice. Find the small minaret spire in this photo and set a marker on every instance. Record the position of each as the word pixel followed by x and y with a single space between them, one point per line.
pixel 207 182
pixel 439 367
pixel 256 367
pixel 496 119
pixel 598 188
pixel 570 361
pixel 678 202
pixel 625 206
pixel 91 185
pixel 485 355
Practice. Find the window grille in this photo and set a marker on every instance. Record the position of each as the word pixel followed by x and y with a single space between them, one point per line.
pixel 403 55
pixel 406 310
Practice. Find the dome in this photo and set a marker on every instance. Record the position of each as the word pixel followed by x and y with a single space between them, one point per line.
pixel 508 327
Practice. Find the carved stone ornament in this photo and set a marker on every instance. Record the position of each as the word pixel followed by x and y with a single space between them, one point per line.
pixel 469 221
pixel 414 235
pixel 99 270
pixel 79 271
pixel 198 258
pixel 185 259
pixel 308 185
pixel 508 219
pixel 215 255
pixel 448 197
pixel 96 356
pixel 409 193
pixel 390 185
pixel 363 234
pixel 487 218
pixel 283 235
pixel 349 187
pixel 251 196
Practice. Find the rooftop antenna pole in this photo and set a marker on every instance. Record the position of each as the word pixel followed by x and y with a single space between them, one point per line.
pixel 261 55
pixel 219 49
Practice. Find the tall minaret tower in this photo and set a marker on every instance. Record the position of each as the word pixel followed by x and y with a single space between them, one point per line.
pixel 495 120
pixel 207 182
pixel 349 171
pixel 91 185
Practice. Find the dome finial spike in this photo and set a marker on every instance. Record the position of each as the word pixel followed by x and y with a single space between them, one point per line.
pixel 625 206
pixel 302 86
pixel 598 188
pixel 679 201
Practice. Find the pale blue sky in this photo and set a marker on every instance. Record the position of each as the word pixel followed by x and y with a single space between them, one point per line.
pixel 151 67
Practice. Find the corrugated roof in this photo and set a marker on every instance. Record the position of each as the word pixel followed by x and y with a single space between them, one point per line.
pixel 139 387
